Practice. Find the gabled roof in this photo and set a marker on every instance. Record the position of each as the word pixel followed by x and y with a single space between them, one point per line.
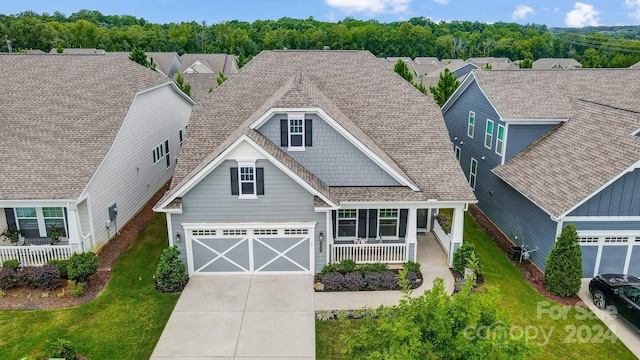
pixel 544 94
pixel 163 60
pixel 577 158
pixel 78 51
pixel 60 116
pixel 556 63
pixel 427 61
pixel 453 67
pixel 636 65
pixel 215 62
pixel 388 115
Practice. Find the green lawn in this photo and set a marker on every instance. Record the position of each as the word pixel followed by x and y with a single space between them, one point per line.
pixel 125 322
pixel 573 334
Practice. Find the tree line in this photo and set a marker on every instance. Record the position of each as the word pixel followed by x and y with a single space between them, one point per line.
pixel 418 36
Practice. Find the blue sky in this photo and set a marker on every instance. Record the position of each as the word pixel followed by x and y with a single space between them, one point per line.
pixel 553 13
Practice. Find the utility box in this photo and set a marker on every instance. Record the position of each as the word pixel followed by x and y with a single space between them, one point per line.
pixel 113 211
pixel 515 252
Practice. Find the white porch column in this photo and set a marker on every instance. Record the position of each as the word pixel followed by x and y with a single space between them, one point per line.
pixel 411 237
pixel 328 236
pixel 457 229
pixel 73 235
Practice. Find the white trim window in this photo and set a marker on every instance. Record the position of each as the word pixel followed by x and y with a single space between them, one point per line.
pixel 473 170
pixel 488 134
pixel 347 223
pixel 388 221
pixel 27 219
pixel 458 153
pixel 296 133
pixel 181 135
pixel 36 222
pixel 54 216
pixel 247 177
pixel 162 151
pixel 500 140
pixel 472 124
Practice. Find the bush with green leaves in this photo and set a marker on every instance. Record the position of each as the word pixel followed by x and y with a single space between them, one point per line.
pixel 563 272
pixel 171 273
pixel 413 267
pixel 13 264
pixel 75 289
pixel 373 267
pixel 82 265
pixel 63 267
pixel 61 349
pixel 462 256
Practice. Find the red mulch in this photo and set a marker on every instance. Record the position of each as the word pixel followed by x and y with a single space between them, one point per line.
pixel 531 273
pixel 32 299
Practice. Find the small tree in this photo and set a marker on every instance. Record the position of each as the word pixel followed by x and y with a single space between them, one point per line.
pixel 171 273
pixel 420 87
pixel 221 78
pixel 447 84
pixel 564 264
pixel 402 69
pixel 139 56
pixel 526 64
pixel 183 85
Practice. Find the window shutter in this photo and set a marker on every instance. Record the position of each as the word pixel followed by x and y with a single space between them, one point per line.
pixel 404 214
pixel 284 132
pixel 259 181
pixel 373 223
pixel 11 219
pixel 308 133
pixel 334 216
pixel 234 181
pixel 362 223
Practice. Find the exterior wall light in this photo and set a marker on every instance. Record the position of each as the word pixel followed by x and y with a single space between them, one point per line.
pixel 321 237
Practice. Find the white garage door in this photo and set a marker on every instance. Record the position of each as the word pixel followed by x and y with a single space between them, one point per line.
pixel 249 248
pixel 610 253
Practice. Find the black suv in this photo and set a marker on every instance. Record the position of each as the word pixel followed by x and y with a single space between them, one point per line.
pixel 618 293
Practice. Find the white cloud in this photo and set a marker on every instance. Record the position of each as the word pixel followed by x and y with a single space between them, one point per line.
pixel 635 6
pixel 582 15
pixel 522 11
pixel 370 6
pixel 443 2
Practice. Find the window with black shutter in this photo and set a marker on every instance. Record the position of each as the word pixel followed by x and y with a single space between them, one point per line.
pixel 247 181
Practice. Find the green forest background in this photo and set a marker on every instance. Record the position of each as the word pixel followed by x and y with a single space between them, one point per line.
pixel 593 47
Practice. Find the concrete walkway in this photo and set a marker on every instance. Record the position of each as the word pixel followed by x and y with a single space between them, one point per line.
pixel 226 317
pixel 623 331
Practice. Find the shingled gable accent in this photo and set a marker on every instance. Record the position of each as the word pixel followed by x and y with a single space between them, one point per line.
pixel 272 153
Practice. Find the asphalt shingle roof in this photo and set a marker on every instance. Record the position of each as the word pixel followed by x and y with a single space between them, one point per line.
pixel 576 158
pixel 60 115
pixel 405 126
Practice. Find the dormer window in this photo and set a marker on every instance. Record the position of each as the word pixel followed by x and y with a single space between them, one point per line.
pixel 296 132
pixel 247 180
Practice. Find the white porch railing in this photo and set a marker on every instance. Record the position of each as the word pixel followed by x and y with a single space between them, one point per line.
pixel 370 253
pixel 443 237
pixel 35 255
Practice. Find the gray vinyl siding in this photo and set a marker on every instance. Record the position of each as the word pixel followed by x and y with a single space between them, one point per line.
pixel 464 70
pixel 520 136
pixel 128 176
pixel 606 225
pixel 284 200
pixel 514 214
pixel 332 158
pixel 85 220
pixel 622 198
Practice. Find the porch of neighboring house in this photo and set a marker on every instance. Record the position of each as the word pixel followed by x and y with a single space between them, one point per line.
pixel 35 246
pixel 402 235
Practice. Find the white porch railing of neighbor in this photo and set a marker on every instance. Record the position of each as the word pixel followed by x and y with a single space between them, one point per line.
pixel 35 255
pixel 370 253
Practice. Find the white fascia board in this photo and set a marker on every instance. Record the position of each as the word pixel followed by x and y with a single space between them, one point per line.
pixel 631 168
pixel 198 62
pixel 405 204
pixel 342 131
pixel 534 121
pixel 600 218
pixel 222 157
pixel 36 203
pixel 174 87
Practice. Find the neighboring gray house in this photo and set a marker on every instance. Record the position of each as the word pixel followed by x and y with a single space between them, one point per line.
pixel 556 63
pixel 459 68
pixel 546 148
pixel 201 71
pixel 79 143
pixel 295 162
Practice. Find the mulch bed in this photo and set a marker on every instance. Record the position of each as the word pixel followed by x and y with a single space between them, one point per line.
pixel 531 273
pixel 31 299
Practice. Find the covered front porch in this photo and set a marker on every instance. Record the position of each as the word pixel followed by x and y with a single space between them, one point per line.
pixel 390 235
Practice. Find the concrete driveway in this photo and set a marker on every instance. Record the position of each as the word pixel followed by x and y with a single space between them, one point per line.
pixel 256 317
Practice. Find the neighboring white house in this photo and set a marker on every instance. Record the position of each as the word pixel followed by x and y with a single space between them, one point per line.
pixel 82 136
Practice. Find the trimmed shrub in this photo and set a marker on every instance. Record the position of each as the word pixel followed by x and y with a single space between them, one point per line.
pixel 329 268
pixel 375 267
pixel 381 280
pixel 63 267
pixel 347 266
pixel 8 278
pixel 81 266
pixel 462 256
pixel 413 267
pixel 333 281
pixel 564 264
pixel 354 281
pixel 61 348
pixel 12 264
pixel 45 277
pixel 171 273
